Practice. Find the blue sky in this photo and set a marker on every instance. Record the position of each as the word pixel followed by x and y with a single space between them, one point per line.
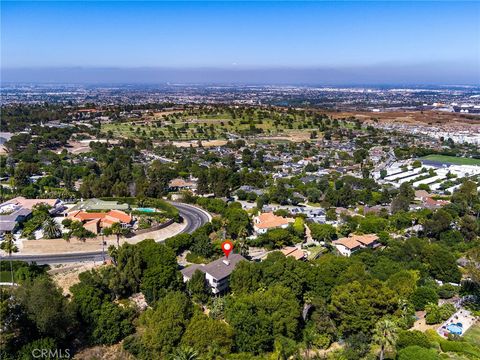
pixel 239 35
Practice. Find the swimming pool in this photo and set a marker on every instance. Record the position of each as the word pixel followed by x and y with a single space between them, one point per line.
pixel 455 329
pixel 147 210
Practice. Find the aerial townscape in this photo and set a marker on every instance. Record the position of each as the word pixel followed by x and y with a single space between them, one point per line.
pixel 231 217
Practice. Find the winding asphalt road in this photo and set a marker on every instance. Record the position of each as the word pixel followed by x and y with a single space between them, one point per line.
pixel 192 216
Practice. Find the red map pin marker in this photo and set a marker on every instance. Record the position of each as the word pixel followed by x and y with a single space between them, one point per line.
pixel 227 247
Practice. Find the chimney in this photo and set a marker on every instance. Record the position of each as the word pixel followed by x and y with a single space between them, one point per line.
pixel 226 262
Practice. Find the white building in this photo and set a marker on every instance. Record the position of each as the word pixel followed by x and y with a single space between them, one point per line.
pixel 217 272
pixel 348 245
pixel 266 221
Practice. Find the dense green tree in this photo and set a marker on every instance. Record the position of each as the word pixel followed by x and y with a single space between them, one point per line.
pixel 237 222
pixel 245 278
pixel 442 264
pixel 321 320
pixel 439 223
pixel 158 280
pixel 325 274
pixel 322 232
pixel 202 245
pixel 469 227
pixel 165 324
pixel 275 239
pixel 198 288
pixel 412 337
pixel 209 337
pixel 356 307
pixel 259 318
pixel 372 224
pixel 422 296
pixel 46 307
pixel 404 283
pixel 48 345
pixel 112 323
pixel 179 243
pixel 417 353
pixel 436 314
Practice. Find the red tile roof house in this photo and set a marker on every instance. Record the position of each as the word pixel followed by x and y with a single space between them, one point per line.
pixel 181 184
pixel 294 252
pixel 266 221
pixel 348 245
pixel 428 202
pixel 94 221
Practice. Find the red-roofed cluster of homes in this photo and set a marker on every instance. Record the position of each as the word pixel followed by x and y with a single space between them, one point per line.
pixel 95 221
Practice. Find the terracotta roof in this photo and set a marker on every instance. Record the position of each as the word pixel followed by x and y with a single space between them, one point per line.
pixel 120 215
pixel 293 251
pixel 429 202
pixel 270 220
pixel 109 222
pixel 180 183
pixel 355 241
pixel 367 239
pixel 349 243
pixel 84 216
pixel 111 217
pixel 91 222
pixel 73 214
pixel 421 194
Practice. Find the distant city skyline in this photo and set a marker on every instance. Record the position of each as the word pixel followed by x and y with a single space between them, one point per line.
pixel 241 42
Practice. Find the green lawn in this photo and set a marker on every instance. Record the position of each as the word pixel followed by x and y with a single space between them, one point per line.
pixel 452 160
pixel 5 276
pixel 473 335
pixel 214 126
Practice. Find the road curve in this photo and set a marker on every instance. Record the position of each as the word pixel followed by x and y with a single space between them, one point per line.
pixel 193 216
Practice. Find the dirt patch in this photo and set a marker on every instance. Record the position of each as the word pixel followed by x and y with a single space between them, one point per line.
pixel 194 143
pixel 114 352
pixel 165 113
pixel 420 323
pixel 57 246
pixel 293 136
pixel 411 117
pixel 66 276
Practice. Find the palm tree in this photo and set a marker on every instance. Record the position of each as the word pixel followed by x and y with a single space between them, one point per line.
pixel 385 335
pixel 67 236
pixel 117 230
pixel 184 353
pixel 8 245
pixel 51 229
pixel 103 245
pixel 113 253
pixel 243 247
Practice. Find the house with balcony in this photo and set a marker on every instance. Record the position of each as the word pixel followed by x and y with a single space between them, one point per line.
pixel 217 272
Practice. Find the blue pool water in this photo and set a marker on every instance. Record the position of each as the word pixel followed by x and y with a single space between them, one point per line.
pixel 455 329
pixel 147 210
